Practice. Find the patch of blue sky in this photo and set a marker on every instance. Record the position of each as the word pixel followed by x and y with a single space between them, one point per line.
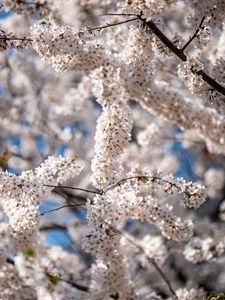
pixel 15 141
pixel 79 213
pixel 5 14
pixel 41 144
pixel 77 126
pixel 186 159
pixel 48 205
pixel 61 238
pixel 24 123
pixel 61 149
pixel 1 89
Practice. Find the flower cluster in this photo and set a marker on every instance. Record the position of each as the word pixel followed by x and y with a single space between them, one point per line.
pixel 137 56
pixel 153 247
pixel 12 285
pixel 133 200
pixel 113 133
pixel 203 37
pixel 194 194
pixel 111 278
pixel 199 250
pixel 66 48
pixel 211 10
pixel 149 9
pixel 21 195
pixel 123 69
pixel 22 7
pixel 170 104
pixel 185 294
pixel 187 72
pixel 106 85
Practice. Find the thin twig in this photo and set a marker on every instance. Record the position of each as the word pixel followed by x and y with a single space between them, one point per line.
pixel 150 178
pixel 72 188
pixel 60 207
pixel 121 181
pixel 194 35
pixel 109 25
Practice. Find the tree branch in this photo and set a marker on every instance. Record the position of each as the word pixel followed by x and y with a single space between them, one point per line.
pixel 179 53
pixel 151 179
pixel 76 285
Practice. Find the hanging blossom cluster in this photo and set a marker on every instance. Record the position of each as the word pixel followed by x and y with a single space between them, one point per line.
pixel 110 273
pixel 137 56
pixel 112 136
pixel 68 49
pixel 113 130
pixel 21 195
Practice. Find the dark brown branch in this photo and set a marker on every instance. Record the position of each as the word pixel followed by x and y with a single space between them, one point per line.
pixel 179 53
pixel 114 14
pixel 194 35
pixel 77 285
pixel 52 226
pixel 14 38
pixel 72 188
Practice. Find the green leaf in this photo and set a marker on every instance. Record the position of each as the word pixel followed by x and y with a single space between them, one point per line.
pixel 54 278
pixel 29 252
pixel 2 161
pixel 143 178
pixel 220 296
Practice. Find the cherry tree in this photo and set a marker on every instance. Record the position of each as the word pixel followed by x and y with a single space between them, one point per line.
pixel 112 134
